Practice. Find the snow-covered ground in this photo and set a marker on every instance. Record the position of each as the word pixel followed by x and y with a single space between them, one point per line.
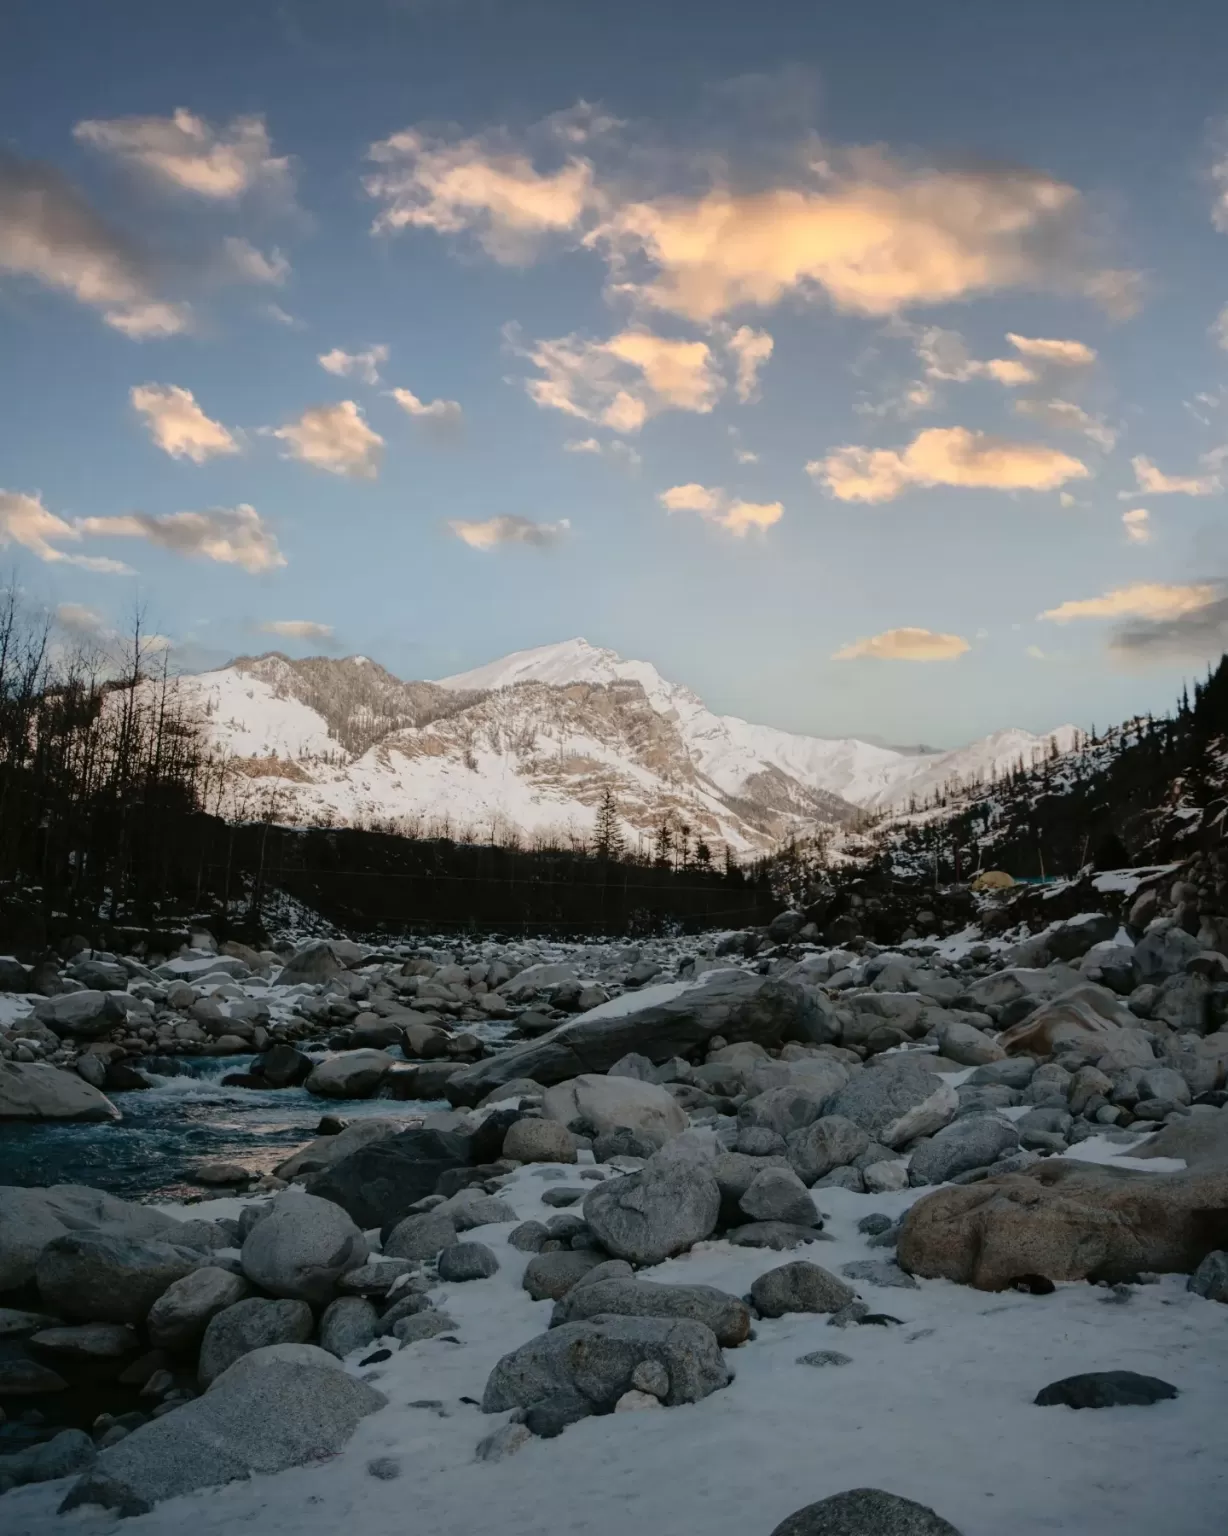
pixel 939 1409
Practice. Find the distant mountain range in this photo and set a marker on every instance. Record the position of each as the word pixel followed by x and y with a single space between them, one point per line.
pixel 530 743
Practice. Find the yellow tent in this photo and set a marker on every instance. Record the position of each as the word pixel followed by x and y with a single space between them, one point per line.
pixel 993 880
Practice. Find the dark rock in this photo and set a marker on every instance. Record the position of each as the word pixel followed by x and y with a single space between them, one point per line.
pixel 865 1512
pixel 799 1287
pixel 1105 1389
pixel 378 1183
pixel 467 1261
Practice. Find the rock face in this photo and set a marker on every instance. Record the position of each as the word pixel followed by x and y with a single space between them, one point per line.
pixel 377 1183
pixel 616 1103
pixel 727 1316
pixel 352 1075
pixel 1066 1221
pixel 651 1215
pixel 302 1248
pixel 596 1361
pixel 661 1023
pixel 896 1102
pixel 263 1415
pixel 33 1090
pixel 103 1278
pixel 865 1512
pixel 250 1325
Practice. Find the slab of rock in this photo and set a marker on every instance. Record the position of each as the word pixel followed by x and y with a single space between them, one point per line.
pixel 1066 1221
pixel 651 1215
pixel 351 1075
pixel 662 1022
pixel 35 1090
pixel 378 1183
pixel 302 1248
pixel 248 1325
pixel 1105 1389
pixel 265 1414
pixel 865 1512
pixel 87 1341
pixel 799 1287
pixel 616 1103
pixel 727 1316
pixel 179 1317
pixel 596 1361
pixel 102 1278
pixel 896 1101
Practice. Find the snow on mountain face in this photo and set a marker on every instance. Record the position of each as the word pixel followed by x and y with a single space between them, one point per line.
pixel 531 743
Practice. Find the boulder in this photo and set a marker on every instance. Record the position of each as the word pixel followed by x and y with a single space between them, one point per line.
pixel 1210 1279
pixel 968 1045
pixel 540 1141
pixel 799 1287
pixel 467 1261
pixel 351 1075
pixel 596 1361
pixel 35 1090
pixel 324 1151
pixel 865 1512
pixel 676 1019
pixel 973 1141
pixel 651 1215
pixel 832 1141
pixel 302 1248
pixel 1073 938
pixel 179 1317
pixel 248 1325
pixel 13 975
pixel 1087 1018
pixel 1164 952
pixel 267 1413
pixel 549 1276
pixel 101 1277
pixel 896 1101
pixel 727 1316
pixel 1105 1389
pixel 312 963
pixel 1066 1221
pixel 788 1109
pixel 31 1218
pixel 378 1183
pixel 777 1194
pixel 83 1015
pixel 281 1066
pixel 616 1103
pixel 420 1237
pixel 349 1323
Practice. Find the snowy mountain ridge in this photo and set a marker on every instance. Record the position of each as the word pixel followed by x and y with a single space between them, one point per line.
pixel 526 746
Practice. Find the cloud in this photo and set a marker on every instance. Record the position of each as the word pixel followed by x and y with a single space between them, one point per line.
pixel 616 449
pixel 244 261
pixel 88 628
pixel 483 185
pixel 1199 634
pixel 1066 416
pixel 714 506
pixel 510 530
pixel 1036 653
pixel 26 522
pixel 297 629
pixel 904 645
pixel 361 365
pixel 871 235
pixel 1156 483
pixel 282 317
pixel 944 456
pixel 621 382
pixel 1138 525
pixel 1053 353
pixel 334 438
pixel 1219 326
pixel 1152 600
pixel 440 413
pixel 745 456
pixel 1218 172
pixel 751 349
pixel 178 425
pixel 188 153
pixel 49 233
pixel 228 535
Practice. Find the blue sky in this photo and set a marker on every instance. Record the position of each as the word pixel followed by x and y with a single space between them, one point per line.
pixel 810 352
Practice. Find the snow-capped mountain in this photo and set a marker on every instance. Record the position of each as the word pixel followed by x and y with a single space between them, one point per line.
pixel 529 745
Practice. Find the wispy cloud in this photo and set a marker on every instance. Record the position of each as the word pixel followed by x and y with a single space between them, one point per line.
pixel 904 645
pixel 227 535
pixel 334 438
pixel 178 425
pixel 1155 482
pixel 953 456
pixel 1066 416
pixel 249 264
pixel 496 531
pixel 715 506
pixel 751 350
pixel 297 629
pixel 1139 600
pixel 615 448
pixel 445 414
pixel 360 365
pixel 1137 523
pixel 188 153
pixel 26 522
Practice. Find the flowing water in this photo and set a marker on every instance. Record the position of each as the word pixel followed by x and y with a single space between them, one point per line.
pixel 180 1122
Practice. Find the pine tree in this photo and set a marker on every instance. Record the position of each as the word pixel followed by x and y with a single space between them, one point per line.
pixel 608 842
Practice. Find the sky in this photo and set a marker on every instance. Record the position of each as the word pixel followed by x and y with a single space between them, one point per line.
pixel 863 367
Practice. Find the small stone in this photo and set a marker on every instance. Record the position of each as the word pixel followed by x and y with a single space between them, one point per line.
pixel 852 1312
pixel 386 1468
pixel 503 1442
pixel 651 1376
pixel 824 1357
pixel 529 1236
pixel 636 1402
pixel 873 1224
pixel 467 1261
pixel 563 1197
pixel 879 1272
pixel 1105 1389
pixel 423 1325
pixel 1210 1279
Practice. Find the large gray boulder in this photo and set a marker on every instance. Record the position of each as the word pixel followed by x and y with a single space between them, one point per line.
pixel 302 1248
pixel 263 1415
pixel 651 1215
pixel 896 1100
pixel 70 1451
pixel 179 1317
pixel 254 1323
pixel 351 1075
pixel 833 1141
pixel 661 1022
pixel 324 1151
pixel 596 1361
pixel 788 1109
pixel 349 1323
pixel 974 1141
pixel 31 1218
pixel 540 1141
pixel 80 1015
pixel 616 1103
pixel 1164 952
pixel 965 1043
pixel 549 1276
pixel 35 1090
pixel 424 1236
pixel 104 1278
pixel 777 1194
pixel 865 1512
pixel 379 1182
pixel 799 1287
pixel 314 962
pixel 727 1316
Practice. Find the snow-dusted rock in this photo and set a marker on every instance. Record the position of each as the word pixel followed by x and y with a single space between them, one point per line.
pixel 351 1075
pixel 727 1316
pixel 616 1103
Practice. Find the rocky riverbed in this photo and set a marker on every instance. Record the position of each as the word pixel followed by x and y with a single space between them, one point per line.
pixel 706 1231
